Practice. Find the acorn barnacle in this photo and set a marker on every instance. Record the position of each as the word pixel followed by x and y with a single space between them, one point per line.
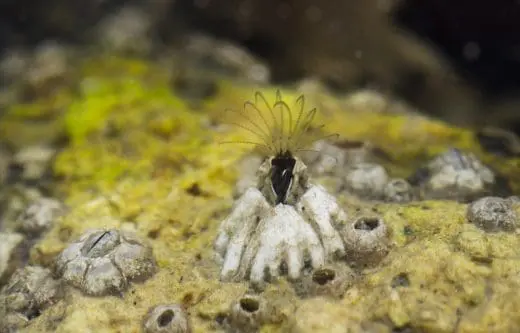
pixel 285 223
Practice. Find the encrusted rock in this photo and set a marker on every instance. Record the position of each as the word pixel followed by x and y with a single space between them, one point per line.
pixel 29 292
pixel 14 199
pixel 10 254
pixel 39 216
pixel 167 318
pixel 48 67
pixel 457 175
pixel 127 31
pixel 5 158
pixel 367 180
pixel 367 240
pixel 492 214
pixel 226 58
pixel 105 261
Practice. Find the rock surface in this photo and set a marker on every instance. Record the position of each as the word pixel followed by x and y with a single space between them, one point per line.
pixel 137 158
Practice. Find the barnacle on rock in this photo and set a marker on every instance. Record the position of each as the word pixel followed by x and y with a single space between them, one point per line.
pixel 29 292
pixel 367 240
pixel 398 190
pixel 367 180
pixel 104 262
pixel 39 216
pixel 459 176
pixel 492 214
pixel 248 314
pixel 285 221
pixel 167 318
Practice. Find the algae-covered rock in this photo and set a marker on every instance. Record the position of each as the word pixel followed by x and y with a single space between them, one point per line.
pixel 139 160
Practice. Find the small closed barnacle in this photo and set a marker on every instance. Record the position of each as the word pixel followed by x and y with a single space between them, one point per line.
pixel 331 280
pixel 398 190
pixel 29 292
pixel 39 216
pixel 104 262
pixel 167 318
pixel 367 241
pixel 248 314
pixel 492 214
pixel 458 176
pixel 367 180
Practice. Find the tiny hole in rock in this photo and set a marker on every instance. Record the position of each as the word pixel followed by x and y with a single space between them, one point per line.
pixel 194 190
pixel 220 317
pixel 400 280
pixel 33 314
pixel 165 318
pixel 249 304
pixel 367 224
pixel 323 276
pixel 14 173
pixel 188 299
pixel 153 234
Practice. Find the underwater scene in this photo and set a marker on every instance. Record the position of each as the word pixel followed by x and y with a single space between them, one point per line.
pixel 243 166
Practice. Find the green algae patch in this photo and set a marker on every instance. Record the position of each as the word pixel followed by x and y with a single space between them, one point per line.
pixel 140 159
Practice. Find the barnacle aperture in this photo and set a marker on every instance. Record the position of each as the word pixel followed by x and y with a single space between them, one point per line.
pixel 282 175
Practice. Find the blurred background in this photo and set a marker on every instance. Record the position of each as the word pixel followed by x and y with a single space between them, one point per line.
pixel 457 60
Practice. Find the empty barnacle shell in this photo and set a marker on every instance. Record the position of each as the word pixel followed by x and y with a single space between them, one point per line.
pixel 104 262
pixel 331 280
pixel 248 314
pixel 167 318
pixel 492 214
pixel 367 240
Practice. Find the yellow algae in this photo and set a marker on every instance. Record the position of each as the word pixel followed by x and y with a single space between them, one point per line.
pixel 138 158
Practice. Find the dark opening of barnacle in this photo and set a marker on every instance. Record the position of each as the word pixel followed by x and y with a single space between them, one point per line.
pixel 282 175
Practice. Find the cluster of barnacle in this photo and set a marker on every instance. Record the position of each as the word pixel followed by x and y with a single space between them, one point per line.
pixel 286 224
pixel 454 174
